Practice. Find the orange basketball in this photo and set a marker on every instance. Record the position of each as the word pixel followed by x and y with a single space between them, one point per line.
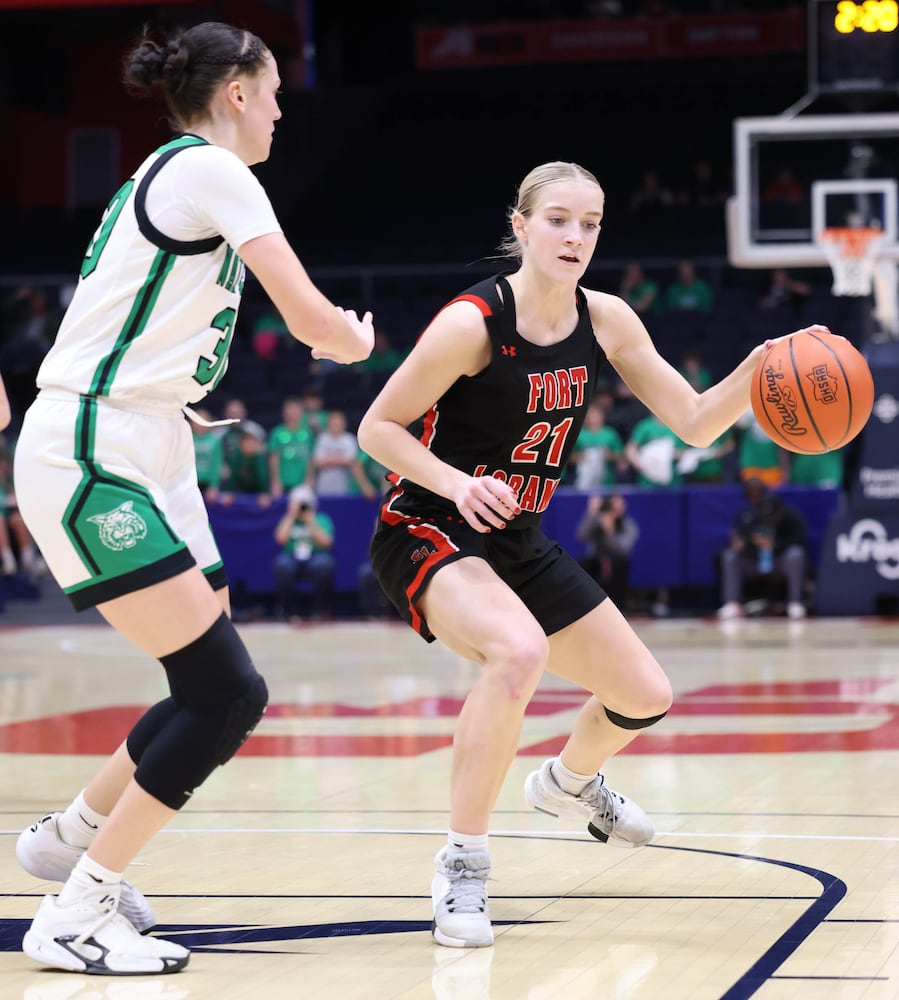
pixel 812 392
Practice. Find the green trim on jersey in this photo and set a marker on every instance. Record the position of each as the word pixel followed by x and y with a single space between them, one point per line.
pixel 145 298
pixel 134 325
pixel 181 141
pixel 113 524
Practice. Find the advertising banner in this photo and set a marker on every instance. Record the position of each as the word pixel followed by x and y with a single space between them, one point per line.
pixel 859 567
pixel 876 487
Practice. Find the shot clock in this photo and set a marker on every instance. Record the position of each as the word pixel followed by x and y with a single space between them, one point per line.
pixel 870 15
pixel 853 46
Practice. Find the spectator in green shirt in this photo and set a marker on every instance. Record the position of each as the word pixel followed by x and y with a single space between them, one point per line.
pixel 374 473
pixel 758 456
pixel 290 447
pixel 653 450
pixel 694 371
pixel 640 292
pixel 598 453
pixel 315 416
pixel 688 292
pixel 306 537
pixel 246 469
pixel 824 470
pixel 707 465
pixel 209 455
pixel 269 331
pixel 384 358
pixel 232 433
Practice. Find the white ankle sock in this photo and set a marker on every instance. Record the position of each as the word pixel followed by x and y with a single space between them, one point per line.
pixel 568 780
pixel 79 824
pixel 462 843
pixel 88 878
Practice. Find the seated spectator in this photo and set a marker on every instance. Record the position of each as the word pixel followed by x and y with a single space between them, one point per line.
pixel 598 454
pixel 290 447
pixel 384 358
pixel 609 534
pixel 785 290
pixel 315 416
pixel 336 463
pixel 374 472
pixel 702 189
pixel 245 470
pixel 653 450
pixel 651 199
pixel 707 465
pixel 638 291
pixel 306 537
pixel 758 457
pixel 626 410
pixel 209 454
pixel 688 292
pixel 269 330
pixel 694 371
pixel 784 187
pixel 783 201
pixel 768 541
pixel 824 471
pixel 238 421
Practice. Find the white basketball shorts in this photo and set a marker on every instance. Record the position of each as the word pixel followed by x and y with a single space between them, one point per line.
pixel 110 496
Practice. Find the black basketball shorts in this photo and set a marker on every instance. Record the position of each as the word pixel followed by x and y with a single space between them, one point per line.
pixel 406 551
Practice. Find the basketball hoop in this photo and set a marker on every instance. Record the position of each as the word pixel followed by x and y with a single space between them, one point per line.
pixel 852 254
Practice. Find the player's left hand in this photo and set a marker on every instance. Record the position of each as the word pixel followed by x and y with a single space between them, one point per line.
pixel 486 503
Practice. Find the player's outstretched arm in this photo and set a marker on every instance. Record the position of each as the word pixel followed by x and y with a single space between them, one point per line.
pixel 332 332
pixel 696 418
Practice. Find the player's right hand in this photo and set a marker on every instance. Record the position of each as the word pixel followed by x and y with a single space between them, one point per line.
pixel 356 348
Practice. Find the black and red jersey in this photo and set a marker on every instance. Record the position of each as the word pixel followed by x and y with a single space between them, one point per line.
pixel 519 417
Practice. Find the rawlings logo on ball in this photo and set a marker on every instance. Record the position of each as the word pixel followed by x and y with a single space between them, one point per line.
pixel 784 402
pixel 823 383
pixel 827 416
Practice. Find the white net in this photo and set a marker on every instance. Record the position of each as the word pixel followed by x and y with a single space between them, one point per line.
pixel 852 255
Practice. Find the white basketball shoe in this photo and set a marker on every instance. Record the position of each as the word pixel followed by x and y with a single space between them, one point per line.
pixel 611 817
pixel 459 896
pixel 45 855
pixel 91 936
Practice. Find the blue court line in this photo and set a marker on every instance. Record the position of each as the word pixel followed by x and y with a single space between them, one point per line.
pixel 837 979
pixel 212 938
pixel 834 889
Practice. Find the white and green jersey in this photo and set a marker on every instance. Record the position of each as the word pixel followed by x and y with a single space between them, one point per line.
pixel 154 310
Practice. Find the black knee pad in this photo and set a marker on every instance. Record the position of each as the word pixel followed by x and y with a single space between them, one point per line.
pixel 623 722
pixel 148 725
pixel 215 676
pixel 219 699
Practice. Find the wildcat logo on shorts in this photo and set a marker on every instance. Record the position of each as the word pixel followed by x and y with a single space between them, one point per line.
pixel 120 528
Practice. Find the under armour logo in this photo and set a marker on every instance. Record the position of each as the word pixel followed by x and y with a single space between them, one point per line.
pixel 509 350
pixel 421 553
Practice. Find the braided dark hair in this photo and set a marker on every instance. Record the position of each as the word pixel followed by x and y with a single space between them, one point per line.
pixel 188 66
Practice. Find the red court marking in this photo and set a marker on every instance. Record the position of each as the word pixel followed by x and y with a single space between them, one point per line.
pixel 101 730
pixel 853 688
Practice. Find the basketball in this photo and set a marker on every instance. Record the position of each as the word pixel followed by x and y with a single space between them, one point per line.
pixel 812 392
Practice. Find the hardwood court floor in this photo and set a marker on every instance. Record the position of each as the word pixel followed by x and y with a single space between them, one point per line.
pixel 303 868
